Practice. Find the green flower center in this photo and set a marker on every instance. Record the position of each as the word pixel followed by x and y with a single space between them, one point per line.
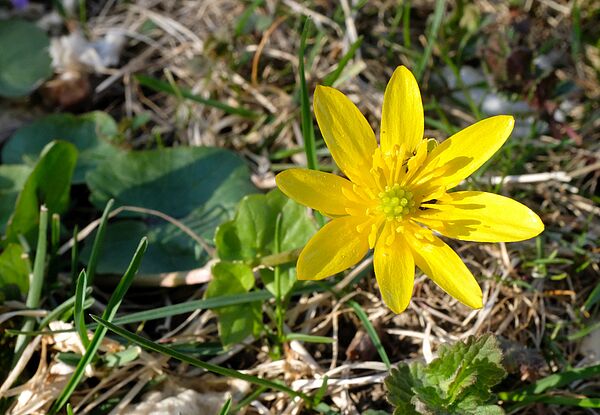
pixel 395 202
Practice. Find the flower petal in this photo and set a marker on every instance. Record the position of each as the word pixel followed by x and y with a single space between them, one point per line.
pixel 320 191
pixel 336 246
pixel 347 133
pixel 395 271
pixel 445 268
pixel 402 120
pixel 481 217
pixel 463 153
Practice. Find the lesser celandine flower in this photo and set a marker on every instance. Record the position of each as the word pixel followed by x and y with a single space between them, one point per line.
pixel 396 194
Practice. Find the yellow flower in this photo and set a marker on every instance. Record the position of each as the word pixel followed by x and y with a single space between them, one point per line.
pixel 396 194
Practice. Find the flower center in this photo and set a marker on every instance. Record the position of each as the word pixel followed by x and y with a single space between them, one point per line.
pixel 395 202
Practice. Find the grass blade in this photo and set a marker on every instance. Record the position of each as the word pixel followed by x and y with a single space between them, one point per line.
pixel 309 338
pixel 54 233
pixel 37 281
pixel 226 407
pixel 406 24
pixel 219 370
pixel 109 313
pixel 333 76
pixel 308 131
pixel 438 14
pixel 62 308
pixel 188 307
pixel 162 86
pixel 554 381
pixel 78 316
pixel 371 332
pixel 97 247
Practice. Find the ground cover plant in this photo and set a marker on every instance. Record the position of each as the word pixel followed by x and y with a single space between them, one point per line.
pixel 152 262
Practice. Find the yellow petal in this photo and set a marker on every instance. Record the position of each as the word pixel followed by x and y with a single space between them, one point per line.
pixel 347 133
pixel 463 153
pixel 481 217
pixel 440 263
pixel 336 246
pixel 320 191
pixel 402 120
pixel 395 271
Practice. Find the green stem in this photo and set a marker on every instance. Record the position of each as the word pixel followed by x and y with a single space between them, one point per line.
pixel 37 281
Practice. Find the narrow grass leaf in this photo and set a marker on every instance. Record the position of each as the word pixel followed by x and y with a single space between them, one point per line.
pixel 109 313
pixel 97 246
pixel 54 233
pixel 438 14
pixel 190 306
pixel 37 281
pixel 308 131
pixel 582 402
pixel 554 381
pixel 226 407
pixel 63 308
pixel 309 338
pixel 371 332
pixel 162 86
pixel 78 316
pixel 219 370
pixel 406 24
pixel 249 398
pixel 333 76
pixel 242 21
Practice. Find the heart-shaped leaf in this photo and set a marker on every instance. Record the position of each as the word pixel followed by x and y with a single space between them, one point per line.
pixel 90 133
pixel 198 187
pixel 24 58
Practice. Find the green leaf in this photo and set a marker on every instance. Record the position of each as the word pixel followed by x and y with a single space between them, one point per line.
pixel 457 382
pixel 474 365
pixel 296 226
pixel 235 322
pixel 255 223
pixel 169 249
pixel 14 272
pixel 251 234
pixel 49 183
pixel 229 246
pixel 162 86
pixel 108 315
pixel 90 133
pixel 401 385
pixel 223 371
pixel 12 180
pixel 24 58
pixel 198 187
pixel 173 181
pixel 287 274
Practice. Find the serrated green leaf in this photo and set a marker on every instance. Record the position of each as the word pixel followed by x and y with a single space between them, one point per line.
pixel 474 364
pixel 235 322
pixel 401 386
pixel 457 382
pixel 90 133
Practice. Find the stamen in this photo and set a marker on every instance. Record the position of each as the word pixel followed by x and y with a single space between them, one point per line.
pixel 395 202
